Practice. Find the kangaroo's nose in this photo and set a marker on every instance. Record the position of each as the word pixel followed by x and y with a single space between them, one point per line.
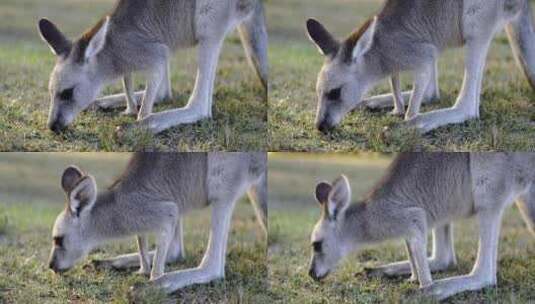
pixel 312 274
pixel 57 127
pixel 52 266
pixel 324 127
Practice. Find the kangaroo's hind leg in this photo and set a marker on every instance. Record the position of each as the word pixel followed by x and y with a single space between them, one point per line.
pixel 212 266
pixel 258 196
pixel 253 34
pixel 443 257
pixel 526 204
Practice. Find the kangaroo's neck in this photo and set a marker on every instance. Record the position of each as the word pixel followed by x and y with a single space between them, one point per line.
pixel 104 221
pixel 370 222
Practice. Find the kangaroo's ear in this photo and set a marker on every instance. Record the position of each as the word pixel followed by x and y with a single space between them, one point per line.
pixel 339 197
pixel 83 196
pixel 70 178
pixel 322 192
pixel 58 43
pixel 366 40
pixel 96 43
pixel 326 43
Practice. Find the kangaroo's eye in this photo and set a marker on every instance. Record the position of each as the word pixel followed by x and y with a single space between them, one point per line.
pixel 317 246
pixel 66 94
pixel 58 241
pixel 334 94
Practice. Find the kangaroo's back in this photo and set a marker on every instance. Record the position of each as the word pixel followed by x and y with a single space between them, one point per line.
pixel 171 22
pixel 439 183
pixel 435 21
pixel 157 177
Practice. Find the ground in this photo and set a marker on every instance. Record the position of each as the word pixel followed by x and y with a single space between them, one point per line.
pixel 239 112
pixel 293 213
pixel 27 214
pixel 508 102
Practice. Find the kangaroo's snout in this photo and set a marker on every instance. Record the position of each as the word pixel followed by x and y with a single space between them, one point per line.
pixel 53 265
pixel 312 273
pixel 324 126
pixel 57 125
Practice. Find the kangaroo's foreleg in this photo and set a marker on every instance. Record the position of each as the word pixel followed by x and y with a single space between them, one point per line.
pixel 385 101
pixel 131 101
pixel 416 243
pixel 422 78
pixel 484 272
pixel 144 257
pixel 155 79
pixel 212 266
pixel 399 103
pixel 200 102
pixel 443 256
pixel 176 253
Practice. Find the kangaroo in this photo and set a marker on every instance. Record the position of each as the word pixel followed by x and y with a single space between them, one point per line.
pixel 151 196
pixel 409 35
pixel 140 35
pixel 422 191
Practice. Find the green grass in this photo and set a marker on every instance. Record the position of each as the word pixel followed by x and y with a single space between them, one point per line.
pixel 239 112
pixel 507 112
pixel 25 244
pixel 293 213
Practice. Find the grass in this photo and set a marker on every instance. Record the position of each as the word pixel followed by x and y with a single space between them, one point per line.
pixel 25 245
pixel 507 112
pixel 239 112
pixel 293 213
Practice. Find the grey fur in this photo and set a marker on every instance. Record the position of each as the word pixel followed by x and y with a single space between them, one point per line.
pixel 140 35
pixel 423 191
pixel 409 35
pixel 153 194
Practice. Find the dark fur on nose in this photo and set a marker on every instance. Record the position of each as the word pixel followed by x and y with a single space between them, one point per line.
pixel 312 273
pixel 57 126
pixel 325 126
pixel 52 265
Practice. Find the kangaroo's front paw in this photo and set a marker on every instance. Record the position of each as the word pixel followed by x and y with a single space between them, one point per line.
pixel 396 113
pixel 143 271
pixel 374 272
pixel 102 264
pixel 129 112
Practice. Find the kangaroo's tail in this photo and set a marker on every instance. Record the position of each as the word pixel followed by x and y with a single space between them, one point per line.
pixel 526 204
pixel 521 34
pixel 253 34
pixel 258 196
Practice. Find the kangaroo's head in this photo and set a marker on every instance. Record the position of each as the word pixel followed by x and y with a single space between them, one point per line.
pixel 329 241
pixel 70 240
pixel 76 80
pixel 346 74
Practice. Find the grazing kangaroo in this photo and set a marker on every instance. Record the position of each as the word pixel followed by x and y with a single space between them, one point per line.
pixel 140 35
pixel 409 35
pixel 423 191
pixel 151 196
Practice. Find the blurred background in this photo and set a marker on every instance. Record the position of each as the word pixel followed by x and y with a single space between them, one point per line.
pixel 30 199
pixel 294 212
